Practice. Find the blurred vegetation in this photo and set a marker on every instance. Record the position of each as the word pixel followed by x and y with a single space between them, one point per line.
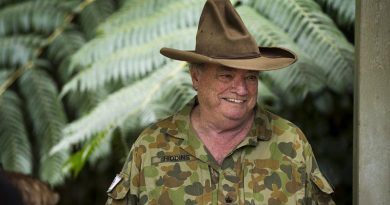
pixel 80 79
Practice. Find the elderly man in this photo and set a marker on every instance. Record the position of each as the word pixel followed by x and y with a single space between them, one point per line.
pixel 222 148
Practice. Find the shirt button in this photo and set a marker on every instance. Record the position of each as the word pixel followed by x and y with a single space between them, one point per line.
pixel 228 199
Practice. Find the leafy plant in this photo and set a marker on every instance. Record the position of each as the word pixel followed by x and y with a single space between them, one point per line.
pixel 316 34
pixel 342 12
pixel 36 40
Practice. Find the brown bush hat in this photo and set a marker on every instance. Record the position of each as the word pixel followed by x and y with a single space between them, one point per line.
pixel 222 38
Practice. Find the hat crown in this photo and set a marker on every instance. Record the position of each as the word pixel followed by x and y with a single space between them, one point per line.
pixel 222 34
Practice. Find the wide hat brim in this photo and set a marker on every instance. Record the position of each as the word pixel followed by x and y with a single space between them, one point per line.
pixel 271 58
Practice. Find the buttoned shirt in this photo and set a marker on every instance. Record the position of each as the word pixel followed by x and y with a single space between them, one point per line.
pixel 169 164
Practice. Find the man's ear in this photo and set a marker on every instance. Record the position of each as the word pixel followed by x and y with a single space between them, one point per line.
pixel 195 74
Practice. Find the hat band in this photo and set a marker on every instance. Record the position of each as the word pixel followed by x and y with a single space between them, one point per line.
pixel 240 57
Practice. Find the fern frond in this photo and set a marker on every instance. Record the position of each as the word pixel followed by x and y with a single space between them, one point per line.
pixel 132 10
pixel 77 161
pixel 48 119
pixel 175 94
pixel 65 45
pixel 50 169
pixel 102 149
pixel 14 55
pixel 94 14
pixel 119 106
pixel 136 32
pixel 300 78
pixel 15 149
pixel 343 12
pixel 81 104
pixel 164 18
pixel 31 40
pixel 130 63
pixel 4 74
pixel 316 33
pixel 34 17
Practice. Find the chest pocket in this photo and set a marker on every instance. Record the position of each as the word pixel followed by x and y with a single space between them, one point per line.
pixel 273 181
pixel 169 181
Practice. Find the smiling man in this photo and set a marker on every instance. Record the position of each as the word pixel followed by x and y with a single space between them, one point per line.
pixel 227 98
pixel 223 148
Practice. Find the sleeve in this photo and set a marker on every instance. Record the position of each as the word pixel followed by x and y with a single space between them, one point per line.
pixel 318 190
pixel 124 188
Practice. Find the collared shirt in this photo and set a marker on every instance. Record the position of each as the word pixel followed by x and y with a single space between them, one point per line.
pixel 169 164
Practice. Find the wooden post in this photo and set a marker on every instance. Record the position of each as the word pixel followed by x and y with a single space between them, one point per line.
pixel 372 104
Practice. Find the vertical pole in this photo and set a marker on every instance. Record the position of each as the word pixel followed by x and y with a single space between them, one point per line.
pixel 372 104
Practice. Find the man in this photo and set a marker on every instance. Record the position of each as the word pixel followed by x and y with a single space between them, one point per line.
pixel 222 148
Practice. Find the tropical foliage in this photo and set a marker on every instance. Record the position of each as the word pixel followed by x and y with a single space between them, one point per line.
pixel 77 76
pixel 37 39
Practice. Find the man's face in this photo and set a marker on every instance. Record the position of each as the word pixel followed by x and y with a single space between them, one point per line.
pixel 225 93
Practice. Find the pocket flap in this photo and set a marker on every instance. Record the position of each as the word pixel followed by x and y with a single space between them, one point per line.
pixel 322 183
pixel 119 187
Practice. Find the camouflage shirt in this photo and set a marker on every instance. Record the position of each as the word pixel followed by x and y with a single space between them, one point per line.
pixel 168 164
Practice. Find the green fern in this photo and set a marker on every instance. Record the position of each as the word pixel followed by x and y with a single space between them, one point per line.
pixel 134 32
pixel 48 119
pixel 77 161
pixel 165 101
pixel 121 105
pixel 34 16
pixel 316 33
pixel 15 55
pixel 4 73
pixel 343 12
pixel 175 93
pixel 94 14
pixel 129 63
pixel 133 10
pixel 164 18
pixel 64 46
pixel 60 52
pixel 102 148
pixel 31 40
pixel 299 79
pixel 15 149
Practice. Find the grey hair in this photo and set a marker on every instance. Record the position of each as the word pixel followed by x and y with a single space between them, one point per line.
pixel 197 66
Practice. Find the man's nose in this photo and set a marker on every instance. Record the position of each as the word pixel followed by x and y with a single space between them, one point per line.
pixel 239 86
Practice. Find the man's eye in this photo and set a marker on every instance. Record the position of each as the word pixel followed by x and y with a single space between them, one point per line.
pixel 252 77
pixel 225 76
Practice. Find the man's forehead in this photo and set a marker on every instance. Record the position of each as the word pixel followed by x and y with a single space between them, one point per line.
pixel 230 69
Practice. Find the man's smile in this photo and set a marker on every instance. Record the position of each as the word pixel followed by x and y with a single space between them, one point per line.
pixel 234 100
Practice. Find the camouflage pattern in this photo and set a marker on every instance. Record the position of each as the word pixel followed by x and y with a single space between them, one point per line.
pixel 168 164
